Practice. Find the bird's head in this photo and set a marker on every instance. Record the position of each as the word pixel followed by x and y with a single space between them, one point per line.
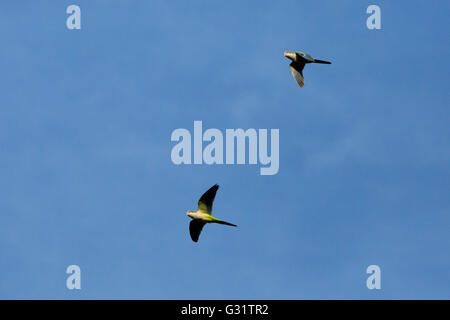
pixel 290 55
pixel 189 213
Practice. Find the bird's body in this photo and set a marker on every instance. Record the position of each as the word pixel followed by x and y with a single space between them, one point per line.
pixel 200 216
pixel 299 60
pixel 203 214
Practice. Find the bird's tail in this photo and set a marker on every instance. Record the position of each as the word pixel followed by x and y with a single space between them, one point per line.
pixel 226 223
pixel 322 61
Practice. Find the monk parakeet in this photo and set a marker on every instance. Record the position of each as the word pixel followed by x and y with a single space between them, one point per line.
pixel 203 214
pixel 299 59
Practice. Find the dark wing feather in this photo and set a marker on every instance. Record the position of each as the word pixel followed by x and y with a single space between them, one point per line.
pixel 195 227
pixel 206 201
pixel 296 70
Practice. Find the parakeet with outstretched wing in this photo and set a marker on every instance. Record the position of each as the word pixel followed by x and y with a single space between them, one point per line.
pixel 299 60
pixel 203 214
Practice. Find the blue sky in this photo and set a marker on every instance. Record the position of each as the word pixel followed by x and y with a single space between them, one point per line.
pixel 86 176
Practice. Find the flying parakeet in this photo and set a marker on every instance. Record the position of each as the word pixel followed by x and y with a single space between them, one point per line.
pixel 203 214
pixel 299 59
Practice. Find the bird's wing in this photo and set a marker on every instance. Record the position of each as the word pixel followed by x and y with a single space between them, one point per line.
pixel 206 201
pixel 195 227
pixel 296 70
